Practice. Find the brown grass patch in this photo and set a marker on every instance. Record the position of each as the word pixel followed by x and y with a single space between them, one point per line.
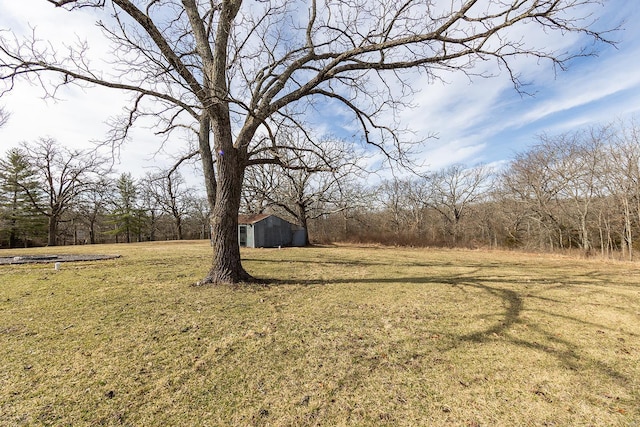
pixel 344 336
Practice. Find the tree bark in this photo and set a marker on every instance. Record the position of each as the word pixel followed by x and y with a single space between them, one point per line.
pixel 92 233
pixel 179 227
pixel 231 160
pixel 13 235
pixel 227 266
pixel 52 231
pixel 206 158
pixel 302 221
pixel 627 240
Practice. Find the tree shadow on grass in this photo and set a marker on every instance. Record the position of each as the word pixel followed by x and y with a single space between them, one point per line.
pixel 528 298
pixel 513 301
pixel 356 263
pixel 563 350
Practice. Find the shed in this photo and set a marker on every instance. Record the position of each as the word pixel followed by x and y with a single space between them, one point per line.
pixel 268 231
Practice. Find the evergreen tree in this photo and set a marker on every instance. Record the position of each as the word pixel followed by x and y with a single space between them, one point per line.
pixel 19 222
pixel 126 217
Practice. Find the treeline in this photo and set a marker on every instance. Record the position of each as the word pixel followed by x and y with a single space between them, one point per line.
pixel 53 195
pixel 579 190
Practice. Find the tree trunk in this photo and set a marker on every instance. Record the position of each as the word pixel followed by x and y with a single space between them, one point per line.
pixel 128 230
pixel 92 230
pixel 306 236
pixel 230 160
pixel 584 234
pixel 302 221
pixel 627 241
pixel 13 230
pixel 152 232
pixel 207 160
pixel 179 227
pixel 345 225
pixel 53 231
pixel 13 235
pixel 227 265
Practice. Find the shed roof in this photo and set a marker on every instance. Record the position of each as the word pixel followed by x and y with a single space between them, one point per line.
pixel 251 219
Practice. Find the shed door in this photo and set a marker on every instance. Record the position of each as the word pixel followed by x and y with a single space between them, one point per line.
pixel 242 235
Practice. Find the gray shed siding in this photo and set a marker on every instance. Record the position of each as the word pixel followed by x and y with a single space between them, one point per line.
pixel 272 232
pixel 267 231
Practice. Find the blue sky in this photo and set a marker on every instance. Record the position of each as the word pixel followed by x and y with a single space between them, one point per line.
pixel 496 122
pixel 478 121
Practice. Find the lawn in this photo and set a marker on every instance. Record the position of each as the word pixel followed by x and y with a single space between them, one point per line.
pixel 342 336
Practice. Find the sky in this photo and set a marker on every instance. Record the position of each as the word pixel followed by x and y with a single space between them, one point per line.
pixel 483 120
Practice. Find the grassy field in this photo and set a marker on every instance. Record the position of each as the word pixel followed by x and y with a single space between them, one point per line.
pixel 345 336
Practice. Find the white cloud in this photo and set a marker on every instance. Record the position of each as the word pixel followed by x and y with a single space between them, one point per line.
pixel 77 117
pixel 472 119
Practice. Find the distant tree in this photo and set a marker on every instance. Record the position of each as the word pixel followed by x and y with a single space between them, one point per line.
pixel 64 174
pixel 562 182
pixel 623 183
pixel 405 209
pixel 200 215
pixel 512 214
pixel 126 216
pixel 94 204
pixel 149 205
pixel 18 179
pixel 355 200
pixel 531 180
pixel 581 165
pixel 455 190
pixel 259 181
pixel 172 196
pixel 391 199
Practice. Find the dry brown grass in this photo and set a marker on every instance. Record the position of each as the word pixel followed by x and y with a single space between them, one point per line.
pixel 346 336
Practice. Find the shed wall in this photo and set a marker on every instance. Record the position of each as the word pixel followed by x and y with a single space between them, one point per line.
pixel 272 232
pixel 269 231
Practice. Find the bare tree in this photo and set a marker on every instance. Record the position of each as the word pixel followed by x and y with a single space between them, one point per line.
pixel 455 190
pixel 394 199
pixel 243 68
pixel 64 175
pixel 171 196
pixel 259 181
pixel 93 205
pixel 199 215
pixel 532 180
pixel 579 166
pixel 559 180
pixel 623 167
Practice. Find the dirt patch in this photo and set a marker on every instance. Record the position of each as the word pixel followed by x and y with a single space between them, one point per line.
pixel 29 259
